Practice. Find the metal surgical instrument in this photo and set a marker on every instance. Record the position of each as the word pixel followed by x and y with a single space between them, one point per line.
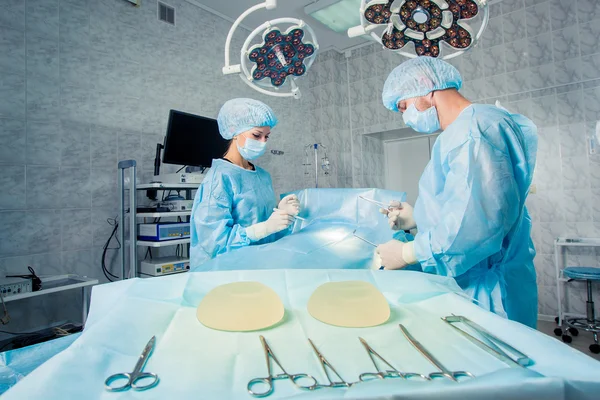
pixel 132 378
pixel 326 364
pixel 493 343
pixel 444 372
pixel 363 239
pixel 388 373
pixel 268 380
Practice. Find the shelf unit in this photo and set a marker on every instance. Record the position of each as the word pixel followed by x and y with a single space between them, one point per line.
pixel 132 187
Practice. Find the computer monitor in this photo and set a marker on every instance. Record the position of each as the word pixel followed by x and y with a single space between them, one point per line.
pixel 192 140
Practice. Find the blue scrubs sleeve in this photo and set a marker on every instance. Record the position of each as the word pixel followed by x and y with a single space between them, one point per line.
pixel 480 205
pixel 214 226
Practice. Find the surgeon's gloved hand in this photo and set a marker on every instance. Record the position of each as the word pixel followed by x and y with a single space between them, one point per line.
pixel 400 216
pixel 277 222
pixel 396 254
pixel 290 204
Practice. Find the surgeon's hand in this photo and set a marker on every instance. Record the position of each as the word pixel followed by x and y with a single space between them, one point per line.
pixel 400 216
pixel 290 204
pixel 396 254
pixel 277 222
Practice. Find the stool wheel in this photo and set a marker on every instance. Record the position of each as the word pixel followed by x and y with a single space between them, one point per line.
pixel 567 338
pixel 574 331
pixel 558 332
pixel 556 320
pixel 595 348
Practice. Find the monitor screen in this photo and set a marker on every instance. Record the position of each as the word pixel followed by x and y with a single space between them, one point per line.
pixel 192 140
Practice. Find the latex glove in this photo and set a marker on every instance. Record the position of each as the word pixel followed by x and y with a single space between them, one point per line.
pixel 290 204
pixel 396 254
pixel 277 222
pixel 400 216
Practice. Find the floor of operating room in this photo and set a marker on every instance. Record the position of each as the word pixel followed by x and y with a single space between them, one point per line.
pixel 581 342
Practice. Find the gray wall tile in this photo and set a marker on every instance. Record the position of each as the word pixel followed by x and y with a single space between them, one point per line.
pixel 76 229
pixel 75 187
pixel 587 36
pixel 42 18
pixel 13 138
pixel 13 14
pixel 514 26
pixel 538 19
pixel 12 181
pixel 14 237
pixel 42 58
pixel 588 10
pixel 12 96
pixel 44 231
pixel 562 14
pixel 566 43
pixel 540 50
pixel 43 142
pixel 43 98
pixel 43 189
pixel 12 50
pixel 75 144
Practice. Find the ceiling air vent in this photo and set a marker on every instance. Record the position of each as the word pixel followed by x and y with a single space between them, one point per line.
pixel 166 13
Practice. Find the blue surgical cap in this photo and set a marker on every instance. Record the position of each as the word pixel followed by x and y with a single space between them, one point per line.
pixel 240 115
pixel 418 77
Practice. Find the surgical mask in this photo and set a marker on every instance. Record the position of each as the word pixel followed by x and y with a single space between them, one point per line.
pixel 252 149
pixel 422 121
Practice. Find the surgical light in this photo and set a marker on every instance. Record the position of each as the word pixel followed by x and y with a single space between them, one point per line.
pixel 283 56
pixel 337 15
pixel 412 28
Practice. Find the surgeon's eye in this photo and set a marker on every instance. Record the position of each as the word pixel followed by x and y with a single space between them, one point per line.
pixel 256 135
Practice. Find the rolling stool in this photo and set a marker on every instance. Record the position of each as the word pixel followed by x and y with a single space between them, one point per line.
pixel 589 323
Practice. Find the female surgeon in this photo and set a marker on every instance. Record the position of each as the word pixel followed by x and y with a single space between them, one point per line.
pixel 235 204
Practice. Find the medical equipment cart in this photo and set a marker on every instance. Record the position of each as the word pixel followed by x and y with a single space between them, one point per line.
pixel 133 187
pixel 560 260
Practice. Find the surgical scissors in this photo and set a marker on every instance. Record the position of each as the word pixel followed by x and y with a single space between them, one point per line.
pixel 444 372
pixel 387 373
pixel 325 364
pixel 133 377
pixel 268 380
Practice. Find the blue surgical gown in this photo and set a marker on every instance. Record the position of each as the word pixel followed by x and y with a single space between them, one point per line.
pixel 229 200
pixel 470 213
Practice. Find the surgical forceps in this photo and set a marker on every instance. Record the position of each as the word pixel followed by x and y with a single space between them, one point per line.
pixel 444 372
pixel 268 380
pixel 388 207
pixel 387 373
pixel 363 239
pixel 293 216
pixel 325 364
pixel 132 378
pixel 492 342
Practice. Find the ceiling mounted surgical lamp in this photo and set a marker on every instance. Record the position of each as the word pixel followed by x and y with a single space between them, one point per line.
pixel 413 28
pixel 283 56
